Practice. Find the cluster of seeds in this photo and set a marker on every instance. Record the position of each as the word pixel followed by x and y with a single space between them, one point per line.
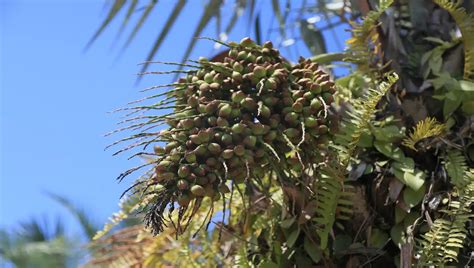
pixel 235 120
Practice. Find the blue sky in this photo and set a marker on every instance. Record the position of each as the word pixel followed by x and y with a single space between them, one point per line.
pixel 55 97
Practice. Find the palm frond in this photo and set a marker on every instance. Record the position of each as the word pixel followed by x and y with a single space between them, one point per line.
pixel 84 219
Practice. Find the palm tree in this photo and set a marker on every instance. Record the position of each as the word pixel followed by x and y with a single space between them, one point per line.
pixel 405 171
pixel 44 244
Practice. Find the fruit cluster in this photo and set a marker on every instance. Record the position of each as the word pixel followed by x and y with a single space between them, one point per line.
pixel 238 118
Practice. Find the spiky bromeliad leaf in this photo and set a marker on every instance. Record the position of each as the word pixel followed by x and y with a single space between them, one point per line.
pixel 465 22
pixel 426 128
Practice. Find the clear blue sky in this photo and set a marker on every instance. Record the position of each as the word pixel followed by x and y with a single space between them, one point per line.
pixel 55 97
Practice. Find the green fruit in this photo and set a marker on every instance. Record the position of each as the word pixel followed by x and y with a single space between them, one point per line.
pixel 201 108
pixel 211 162
pixel 292 132
pixel 234 162
pixel 246 42
pixel 225 110
pixel 193 101
pixel 204 136
pixel 238 96
pixel 184 171
pixel 182 185
pixel 274 121
pixel 270 136
pixel 197 122
pixel 250 141
pixel 260 152
pixel 201 150
pixel 222 122
pixel 190 157
pixel 214 86
pixel 268 45
pixel 212 120
pixel 249 104
pixel 310 122
pixel 291 117
pixel 208 78
pixel 163 165
pixel 238 67
pixel 238 128
pixel 242 55
pixel 204 87
pixel 271 84
pixel 239 150
pixel 265 111
pixel 258 129
pixel 226 139
pixel 316 104
pixel 187 123
pixel 315 88
pixel 211 177
pixel 211 107
pixel 259 72
pixel 297 107
pixel 233 53
pixel 328 98
pixel 198 190
pixel 227 153
pixel 195 139
pixel 236 76
pixel 159 150
pixel 214 148
pixel 308 96
pixel 251 57
pixel 165 176
pixel 235 113
pixel 270 100
pixel 203 60
pixel 322 129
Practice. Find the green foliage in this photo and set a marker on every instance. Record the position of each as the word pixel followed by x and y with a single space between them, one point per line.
pixel 381 188
pixel 457 169
pixel 447 235
pixel 364 45
pixel 358 119
pixel 465 22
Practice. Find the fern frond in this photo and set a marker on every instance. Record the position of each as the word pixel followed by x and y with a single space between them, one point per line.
pixel 330 188
pixel 441 244
pixel 465 22
pixel 456 167
pixel 426 128
pixel 365 37
pixel 331 192
pixel 358 119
